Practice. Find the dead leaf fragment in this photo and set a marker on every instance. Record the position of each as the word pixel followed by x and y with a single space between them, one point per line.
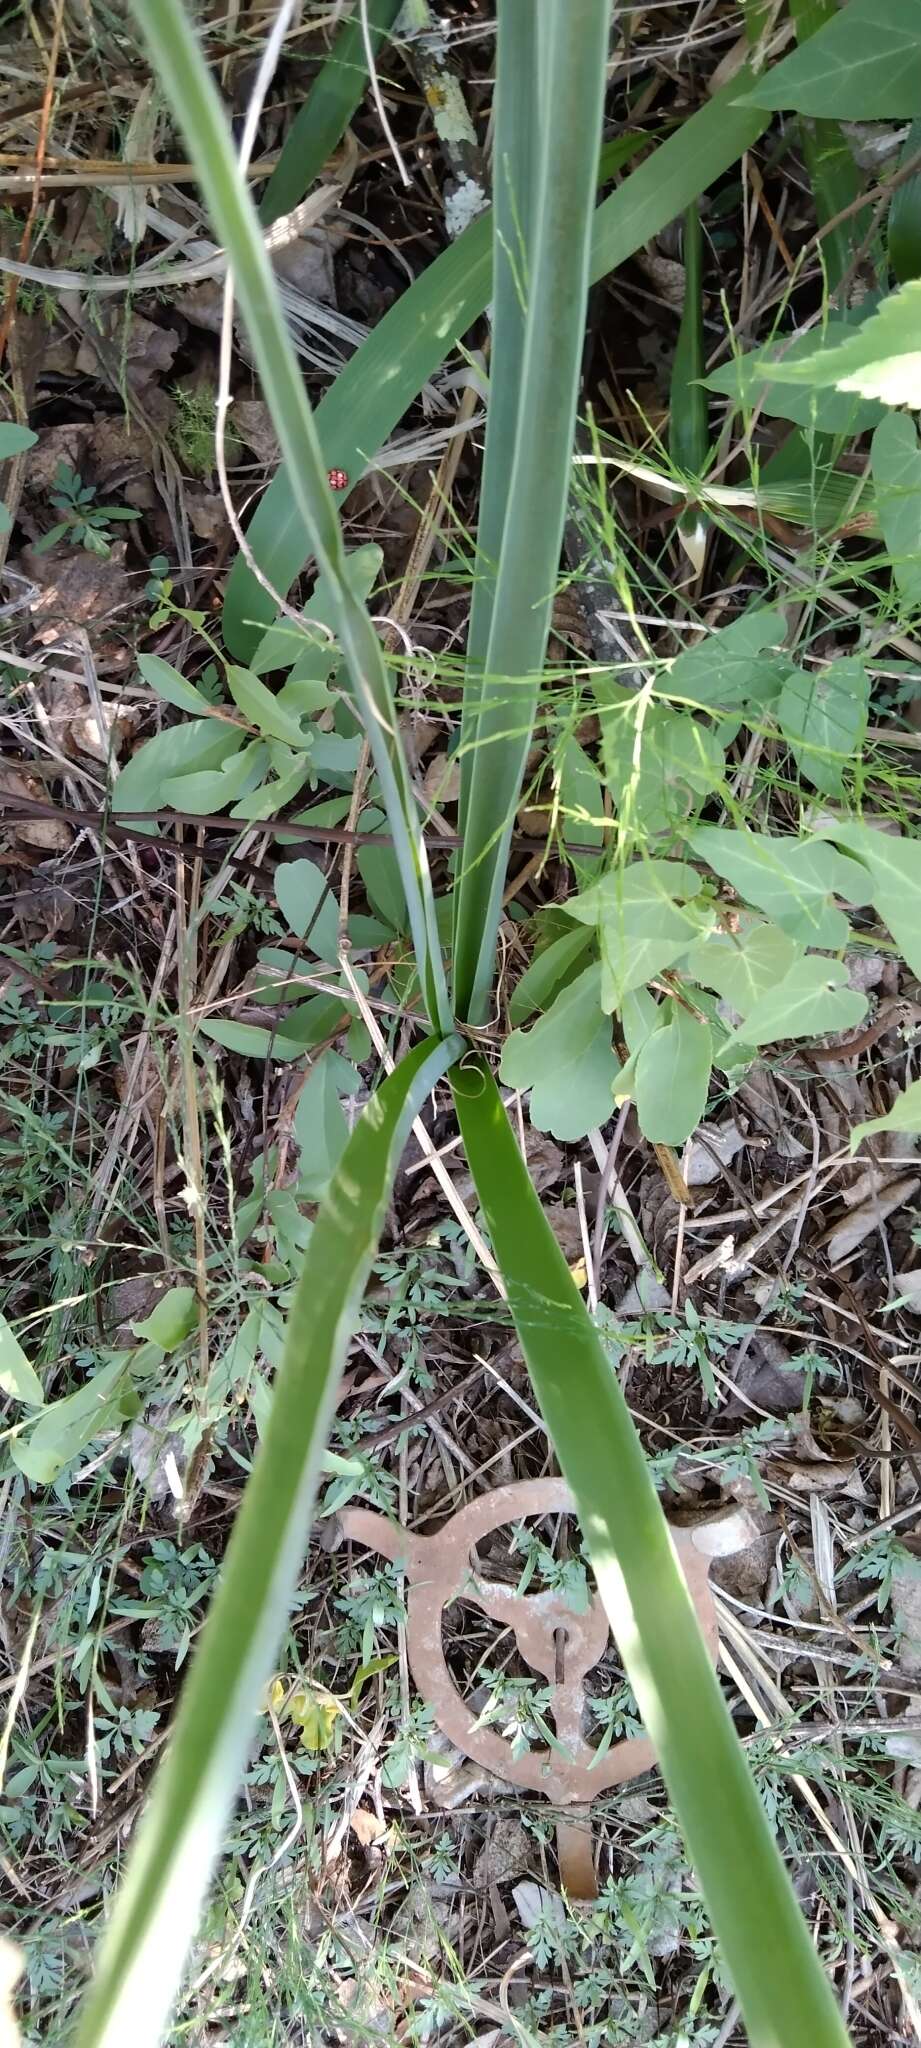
pixel 50 835
pixel 76 589
pixel 846 1237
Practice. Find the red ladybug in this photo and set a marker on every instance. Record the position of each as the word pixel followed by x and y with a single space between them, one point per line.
pixel 337 479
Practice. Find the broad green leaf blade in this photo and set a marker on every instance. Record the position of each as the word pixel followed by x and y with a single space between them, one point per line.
pixel 572 39
pixel 744 964
pixel 540 981
pixel 756 379
pixel 791 880
pixel 903 228
pixel 643 922
pixel 567 1060
pixel 672 1077
pixel 308 906
pixel 880 359
pixel 390 368
pixel 864 65
pixel 833 172
pixel 894 866
pixel 156 1911
pixel 905 1115
pixel 172 1319
pixel 169 684
pixel 812 997
pixel 726 669
pixel 187 749
pixel 655 776
pixel 776 1973
pixel 822 714
pixel 188 84
pixel 895 460
pixel 18 1378
pixel 327 110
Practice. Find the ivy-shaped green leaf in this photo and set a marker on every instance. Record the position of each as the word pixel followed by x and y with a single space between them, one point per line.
pixel 822 714
pixel 644 923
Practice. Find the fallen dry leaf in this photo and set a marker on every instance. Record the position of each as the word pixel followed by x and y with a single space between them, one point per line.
pixel 76 589
pixel 367 1827
pixel 50 835
pixel 846 1236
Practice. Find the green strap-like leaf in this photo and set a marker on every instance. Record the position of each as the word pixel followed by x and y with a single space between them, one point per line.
pixel 193 97
pixel 390 368
pixel 777 1976
pixel 327 110
pixel 518 122
pixel 156 1913
pixel 571 46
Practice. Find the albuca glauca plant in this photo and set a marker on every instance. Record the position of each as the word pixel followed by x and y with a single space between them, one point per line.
pixel 534 264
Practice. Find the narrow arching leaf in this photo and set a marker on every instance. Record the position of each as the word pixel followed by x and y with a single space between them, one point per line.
pixel 729 1838
pixel 156 1912
pixel 390 368
pixel 517 115
pixel 571 39
pixel 328 108
pixel 193 96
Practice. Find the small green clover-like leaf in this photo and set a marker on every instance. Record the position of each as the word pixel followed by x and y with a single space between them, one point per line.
pixel 644 924
pixel 895 460
pixel 905 1115
pixel 672 1077
pixel 171 1321
pixel 17 1377
pixel 812 997
pixel 567 1060
pixel 822 714
pixel 14 440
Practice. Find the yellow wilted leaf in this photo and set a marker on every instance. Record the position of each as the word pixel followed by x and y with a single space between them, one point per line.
pixel 315 1714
